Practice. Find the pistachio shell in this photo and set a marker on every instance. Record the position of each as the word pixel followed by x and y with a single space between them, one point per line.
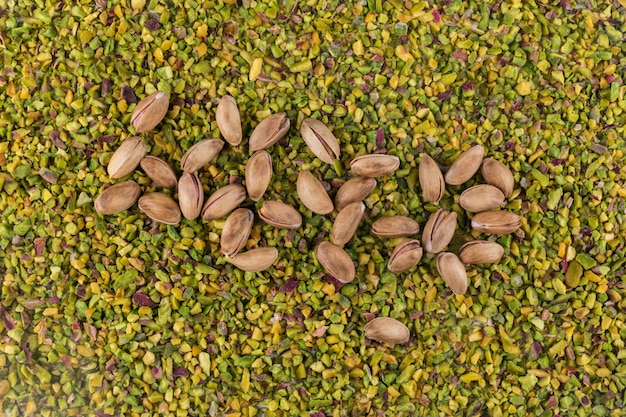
pixel 496 222
pixel 481 197
pixel 438 231
pixel 269 131
pixel 405 256
pixel 223 201
pixel 159 171
pixel 258 174
pixel 465 165
pixel 160 207
pixel 356 189
pixel 118 197
pixel 387 330
pixel 312 193
pixel 395 226
pixel 336 261
pixel 228 120
pixel 149 112
pixel 320 140
pixel 236 231
pixel 481 252
pixel 255 260
pixel 346 223
pixel 190 195
pixel 374 165
pixel 200 154
pixel 126 158
pixel 453 272
pixel 431 179
pixel 279 214
pixel 498 175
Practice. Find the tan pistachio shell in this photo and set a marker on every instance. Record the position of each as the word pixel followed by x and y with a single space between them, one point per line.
pixel 118 197
pixel 431 179
pixel 465 165
pixel 395 226
pixel 149 112
pixel 223 201
pixel 453 272
pixel 336 261
pixel 259 171
pixel 498 175
pixel 353 190
pixel 312 193
pixel 160 207
pixel 127 157
pixel 438 231
pixel 159 171
pixel 346 223
pixel 279 214
pixel 320 140
pixel 374 165
pixel 190 195
pixel 229 120
pixel 481 197
pixel 236 231
pixel 405 256
pixel 200 154
pixel 387 330
pixel 255 260
pixel 269 131
pixel 481 252
pixel 496 222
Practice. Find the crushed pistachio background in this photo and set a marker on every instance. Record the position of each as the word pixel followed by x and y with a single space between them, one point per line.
pixel 118 315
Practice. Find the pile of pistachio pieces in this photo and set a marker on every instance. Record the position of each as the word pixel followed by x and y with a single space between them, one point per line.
pixel 119 316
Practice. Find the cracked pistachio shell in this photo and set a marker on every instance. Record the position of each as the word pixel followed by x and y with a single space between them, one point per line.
pixel 405 256
pixel 346 223
pixel 481 252
pixel 465 165
pixel 431 179
pixel 255 260
pixel 374 165
pixel 127 157
pixel 387 330
pixel 438 231
pixel 200 154
pixel 279 214
pixel 320 140
pixel 498 175
pixel 159 171
pixel 190 195
pixel 160 207
pixel 149 112
pixel 228 120
pixel 236 231
pixel 496 222
pixel 118 197
pixel 223 201
pixel 258 174
pixel 269 131
pixel 356 189
pixel 336 261
pixel 312 193
pixel 395 226
pixel 452 271
pixel 481 197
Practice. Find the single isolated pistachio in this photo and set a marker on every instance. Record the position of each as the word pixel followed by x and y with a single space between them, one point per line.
pixel 453 272
pixel 395 226
pixel 387 330
pixel 481 252
pixel 149 112
pixel 374 165
pixel 353 190
pixel 229 120
pixel 496 222
pixel 255 260
pixel 481 197
pixel 336 261
pixel 346 223
pixel 431 179
pixel 127 157
pixel 258 174
pixel 236 231
pixel 498 175
pixel 279 214
pixel 465 165
pixel 320 140
pixel 118 197
pixel 200 154
pixel 223 201
pixel 269 131
pixel 190 195
pixel 159 171
pixel 438 231
pixel 405 256
pixel 312 193
pixel 160 207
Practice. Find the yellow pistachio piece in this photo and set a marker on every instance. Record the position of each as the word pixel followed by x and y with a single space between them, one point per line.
pixel 269 131
pixel 320 140
pixel 159 171
pixel 149 112
pixel 481 197
pixel 279 214
pixel 374 165
pixel 431 179
pixel 312 193
pixel 236 231
pixel 438 231
pixel 336 261
pixel 127 157
pixel 395 226
pixel 118 197
pixel 405 256
pixel 452 271
pixel 223 201
pixel 387 330
pixel 481 252
pixel 346 223
pixel 200 154
pixel 190 195
pixel 498 175
pixel 255 260
pixel 258 174
pixel 356 189
pixel 228 120
pixel 160 207
pixel 496 222
pixel 465 165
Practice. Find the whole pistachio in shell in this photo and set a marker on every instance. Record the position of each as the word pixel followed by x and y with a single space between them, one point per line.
pixel 118 197
pixel 465 165
pixel 258 174
pixel 255 260
pixel 438 231
pixel 320 140
pixel 353 190
pixel 229 120
pixel 498 175
pixel 160 207
pixel 223 201
pixel 312 193
pixel 346 223
pixel 387 330
pixel 395 226
pixel 279 214
pixel 481 252
pixel 149 112
pixel 481 197
pixel 453 272
pixel 406 255
pixel 269 131
pixel 159 171
pixel 431 179
pixel 200 154
pixel 190 195
pixel 336 261
pixel 374 165
pixel 236 231
pixel 127 157
pixel 496 222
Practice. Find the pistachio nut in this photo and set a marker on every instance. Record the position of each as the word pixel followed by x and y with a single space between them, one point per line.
pixel 481 197
pixel 374 165
pixel 498 175
pixel 190 195
pixel 269 131
pixel 258 174
pixel 223 201
pixel 255 260
pixel 236 231
pixel 149 112
pixel 160 207
pixel 395 226
pixel 336 261
pixel 228 120
pixel 387 330
pixel 405 256
pixel 438 231
pixel 126 158
pixel 481 252
pixel 356 189
pixel 431 179
pixel 159 171
pixel 453 272
pixel 320 140
pixel 346 223
pixel 200 154
pixel 279 214
pixel 118 197
pixel 465 165
pixel 496 222
pixel 312 193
